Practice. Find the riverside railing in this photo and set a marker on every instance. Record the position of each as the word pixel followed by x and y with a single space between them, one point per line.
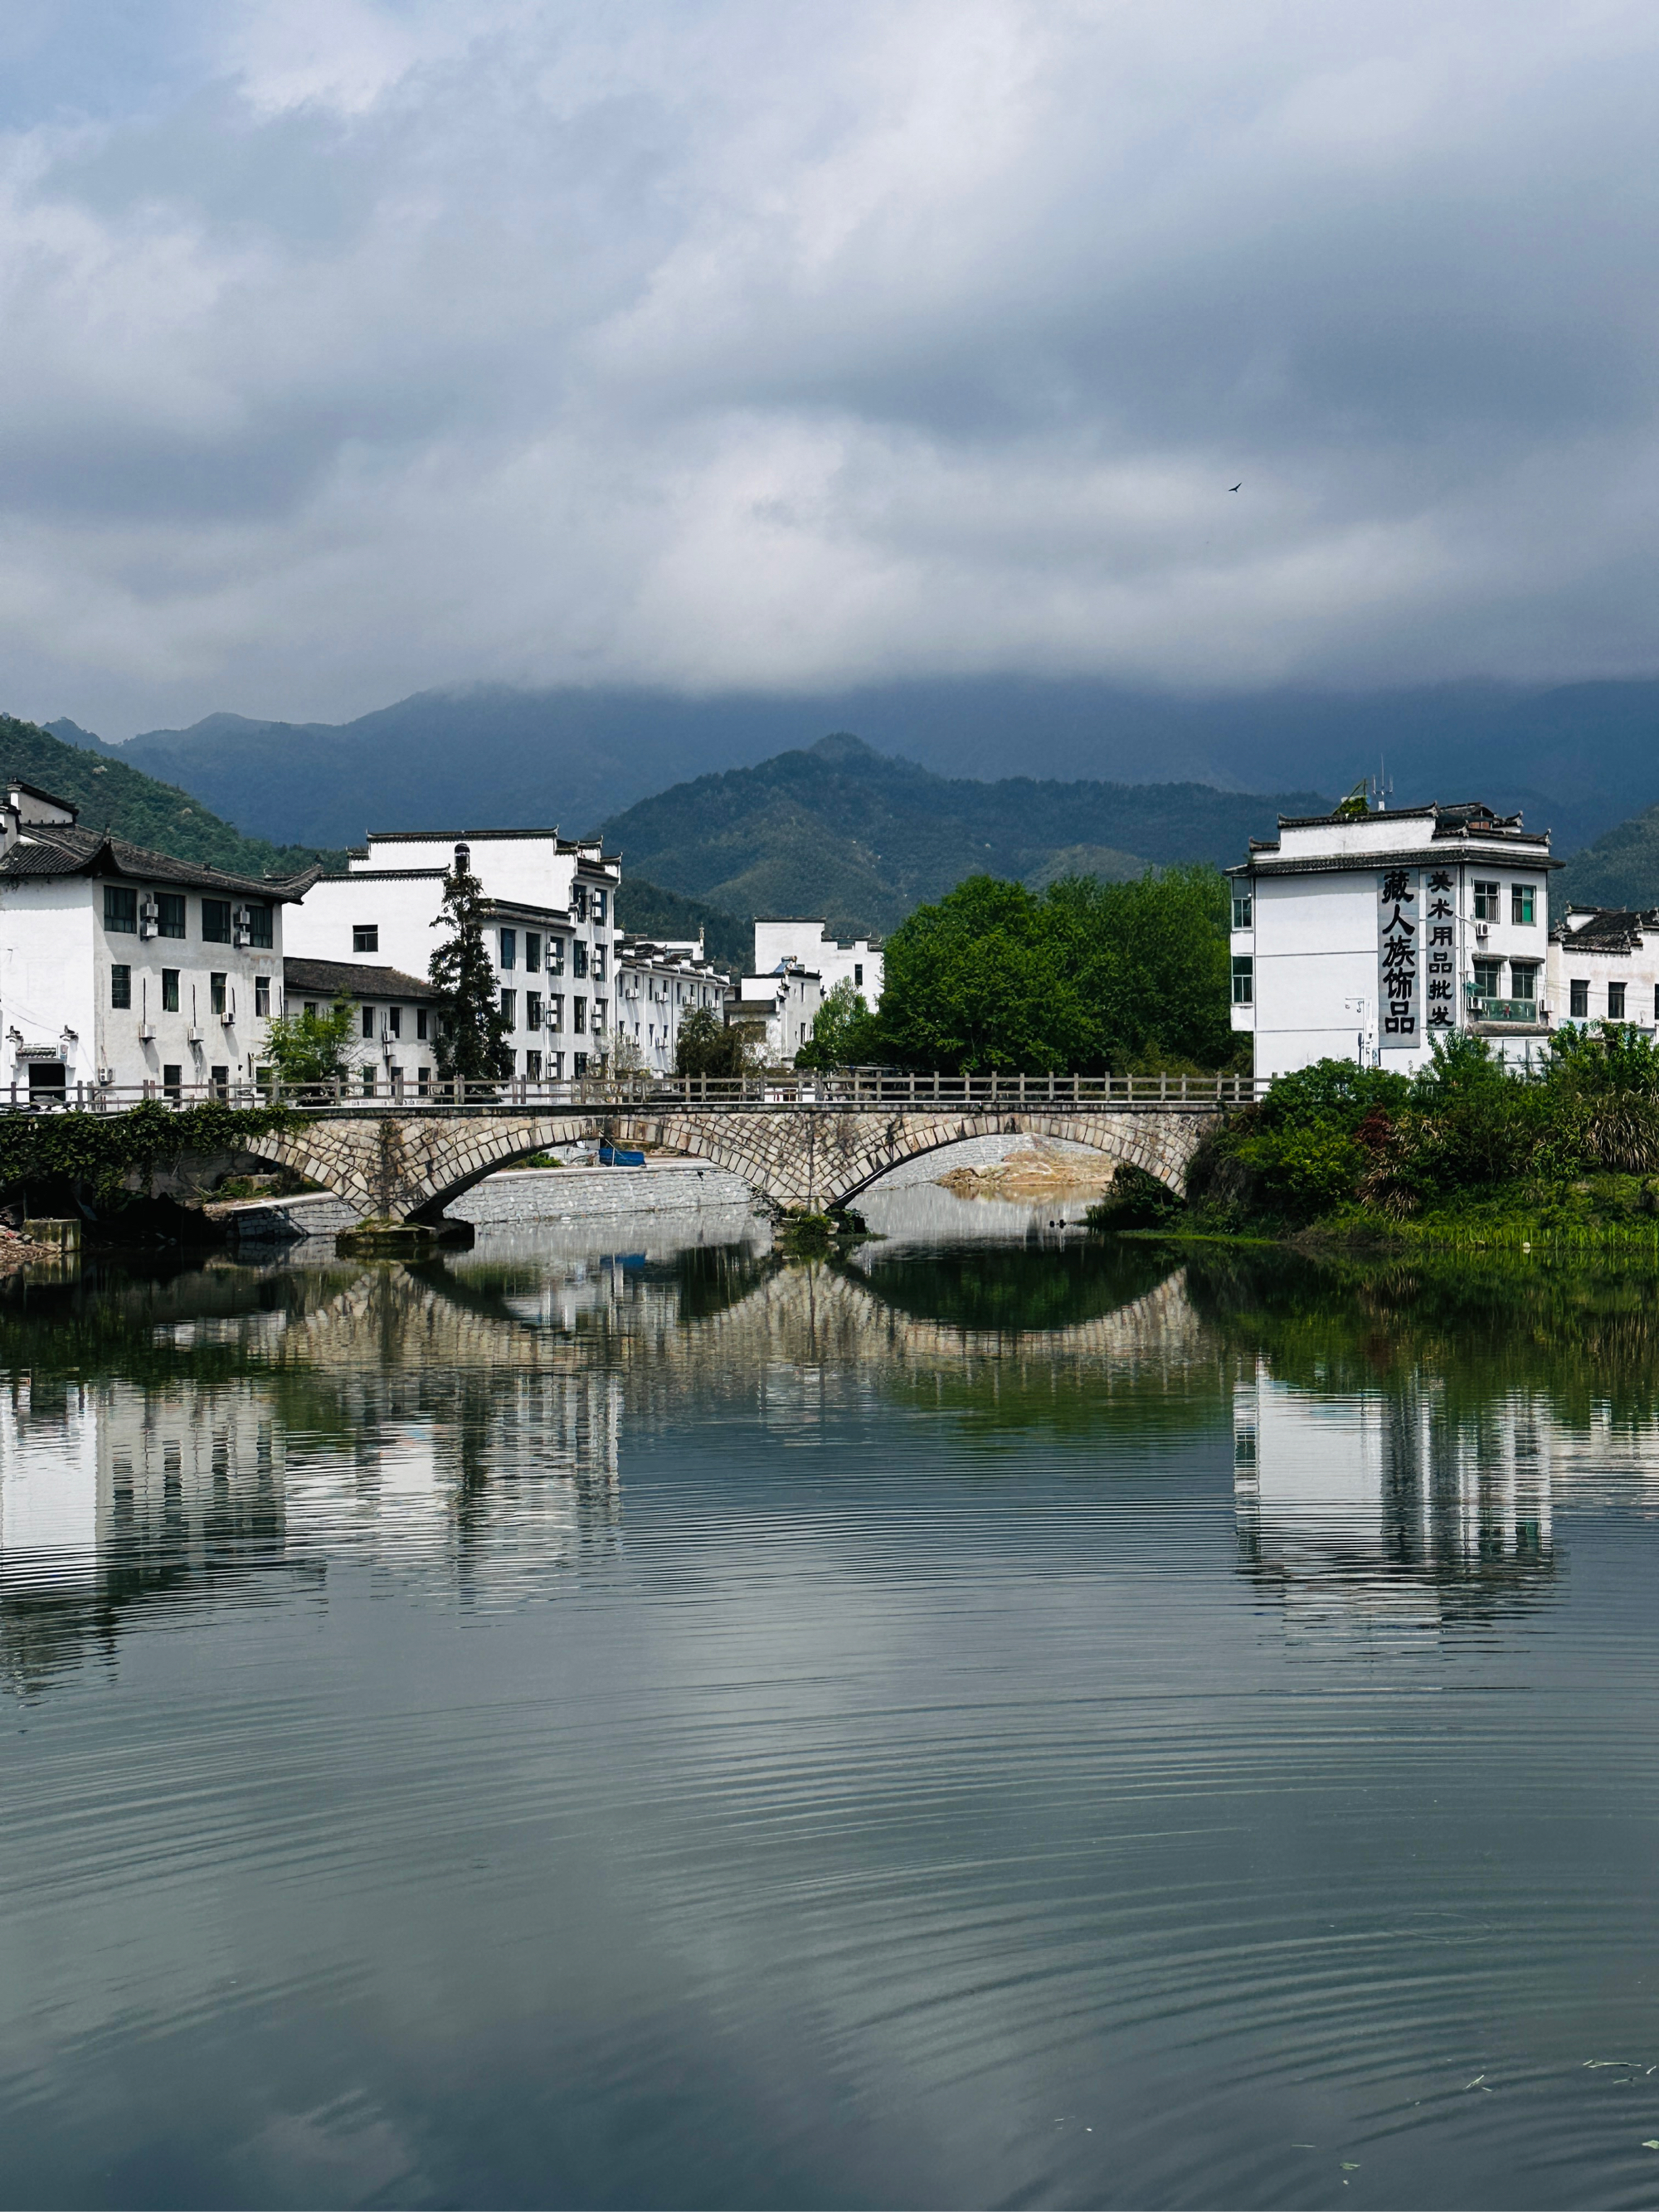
pixel 857 1090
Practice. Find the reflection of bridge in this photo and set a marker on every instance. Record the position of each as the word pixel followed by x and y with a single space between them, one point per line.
pixel 405 1164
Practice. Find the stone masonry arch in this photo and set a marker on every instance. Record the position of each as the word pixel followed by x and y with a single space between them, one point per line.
pixel 407 1164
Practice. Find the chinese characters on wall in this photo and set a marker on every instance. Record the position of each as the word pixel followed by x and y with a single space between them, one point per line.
pixel 1440 974
pixel 1416 955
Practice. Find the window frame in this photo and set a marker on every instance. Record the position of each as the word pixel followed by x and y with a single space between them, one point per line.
pixel 212 932
pixel 1523 896
pixel 121 909
pixel 1243 973
pixel 1578 998
pixel 1243 910
pixel 1616 1013
pixel 169 990
pixel 365 936
pixel 170 909
pixel 1488 899
pixel 120 986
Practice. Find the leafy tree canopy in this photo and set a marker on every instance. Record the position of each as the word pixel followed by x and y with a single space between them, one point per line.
pixel 1084 978
pixel 311 1047
pixel 843 1031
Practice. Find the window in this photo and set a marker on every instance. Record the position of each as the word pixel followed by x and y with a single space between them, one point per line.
pixel 421 1022
pixel 532 1010
pixel 1521 900
pixel 219 1078
pixel 579 1015
pixel 533 951
pixel 601 1010
pixel 555 1066
pixel 169 990
pixel 365 936
pixel 510 949
pixel 578 901
pixel 556 956
pixel 262 995
pixel 598 901
pixel 1523 979
pixel 510 1009
pixel 367 1076
pixel 532 1067
pixel 579 1064
pixel 260 930
pixel 1487 901
pixel 555 1015
pixel 217 993
pixel 369 1021
pixel 1578 998
pixel 1615 1002
pixel 1241 910
pixel 1488 978
pixel 578 957
pixel 423 1080
pixel 1243 980
pixel 120 984
pixel 169 913
pixel 394 1021
pixel 858 974
pixel 216 921
pixel 121 908
pixel 173 1080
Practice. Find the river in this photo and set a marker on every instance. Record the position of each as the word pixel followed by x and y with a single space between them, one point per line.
pixel 1002 1718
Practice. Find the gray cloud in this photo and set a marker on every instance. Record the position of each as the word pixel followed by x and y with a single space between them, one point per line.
pixel 355 347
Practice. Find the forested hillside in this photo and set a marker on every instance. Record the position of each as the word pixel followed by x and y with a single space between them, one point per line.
pixel 112 796
pixel 645 910
pixel 861 838
pixel 1621 868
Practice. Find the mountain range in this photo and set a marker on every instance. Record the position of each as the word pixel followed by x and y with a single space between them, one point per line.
pixel 1577 758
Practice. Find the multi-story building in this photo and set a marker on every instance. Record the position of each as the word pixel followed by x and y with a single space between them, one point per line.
pixel 1368 935
pixel 123 966
pixel 550 918
pixel 779 1008
pixel 393 1044
pixel 789 941
pixel 659 982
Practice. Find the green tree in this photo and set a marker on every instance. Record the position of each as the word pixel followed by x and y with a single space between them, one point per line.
pixel 311 1047
pixel 707 1046
pixel 843 1034
pixel 471 1040
pixel 1086 977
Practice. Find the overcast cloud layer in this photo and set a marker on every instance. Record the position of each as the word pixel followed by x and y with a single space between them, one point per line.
pixel 354 348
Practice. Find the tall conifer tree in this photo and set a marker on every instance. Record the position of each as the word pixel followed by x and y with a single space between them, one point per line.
pixel 471 1038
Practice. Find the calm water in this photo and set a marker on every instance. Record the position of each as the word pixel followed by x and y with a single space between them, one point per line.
pixel 1000 1721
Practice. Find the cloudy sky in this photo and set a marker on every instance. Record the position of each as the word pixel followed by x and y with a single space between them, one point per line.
pixel 354 346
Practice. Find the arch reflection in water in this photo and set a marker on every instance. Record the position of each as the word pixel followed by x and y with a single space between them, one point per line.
pixel 1386 1510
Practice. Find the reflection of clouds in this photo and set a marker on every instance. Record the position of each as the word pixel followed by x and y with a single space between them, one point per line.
pixel 1391 1510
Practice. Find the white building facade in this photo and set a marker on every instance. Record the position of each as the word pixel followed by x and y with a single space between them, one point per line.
pixel 659 983
pixel 787 941
pixel 1604 966
pixel 1365 936
pixel 550 923
pixel 121 968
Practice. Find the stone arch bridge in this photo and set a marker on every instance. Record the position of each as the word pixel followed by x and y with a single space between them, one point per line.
pixel 404 1165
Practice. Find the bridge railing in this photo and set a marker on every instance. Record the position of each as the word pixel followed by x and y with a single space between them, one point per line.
pixel 856 1088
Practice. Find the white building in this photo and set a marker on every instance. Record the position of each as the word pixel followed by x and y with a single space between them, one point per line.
pixel 780 1007
pixel 1604 966
pixel 123 967
pixel 550 916
pixel 659 982
pixel 1368 935
pixel 786 941
pixel 393 1046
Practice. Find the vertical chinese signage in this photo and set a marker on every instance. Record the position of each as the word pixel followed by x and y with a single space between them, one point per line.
pixel 1439 967
pixel 1398 978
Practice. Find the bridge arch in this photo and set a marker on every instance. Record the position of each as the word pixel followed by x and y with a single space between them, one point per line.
pixel 407 1165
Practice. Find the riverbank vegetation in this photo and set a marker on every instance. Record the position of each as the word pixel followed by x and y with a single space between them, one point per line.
pixel 1466 1151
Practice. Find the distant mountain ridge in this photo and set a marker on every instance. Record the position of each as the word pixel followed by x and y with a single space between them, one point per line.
pixel 842 830
pixel 1577 758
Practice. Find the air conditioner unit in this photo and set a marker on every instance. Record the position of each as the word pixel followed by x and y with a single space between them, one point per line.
pixel 243 926
pixel 1482 932
pixel 146 1032
pixel 192 1035
pixel 149 918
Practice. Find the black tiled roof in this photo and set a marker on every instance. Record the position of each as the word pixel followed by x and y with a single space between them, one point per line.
pixel 328 979
pixel 57 848
pixel 1610 929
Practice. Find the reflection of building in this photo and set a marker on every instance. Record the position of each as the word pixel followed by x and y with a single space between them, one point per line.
pixel 1395 1507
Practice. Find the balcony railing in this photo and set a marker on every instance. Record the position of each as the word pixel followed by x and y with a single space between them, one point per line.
pixel 1520 1012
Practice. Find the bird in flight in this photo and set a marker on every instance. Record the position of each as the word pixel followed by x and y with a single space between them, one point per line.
pixel 1239 486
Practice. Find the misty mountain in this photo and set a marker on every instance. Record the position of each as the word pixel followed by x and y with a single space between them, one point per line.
pixel 1575 758
pixel 844 831
pixel 1621 868
pixel 110 794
